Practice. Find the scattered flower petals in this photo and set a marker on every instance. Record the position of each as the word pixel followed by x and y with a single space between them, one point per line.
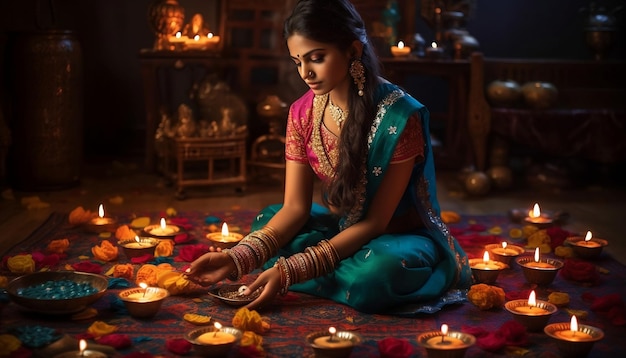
pixel 178 346
pixel 391 347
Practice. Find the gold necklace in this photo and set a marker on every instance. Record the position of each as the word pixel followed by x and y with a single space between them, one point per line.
pixel 338 114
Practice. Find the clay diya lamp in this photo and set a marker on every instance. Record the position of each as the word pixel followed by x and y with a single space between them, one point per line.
pixel 139 246
pixel 535 217
pixel 333 343
pixel 540 271
pixel 587 247
pixel 532 313
pixel 574 340
pixel 485 270
pixel 214 341
pixel 446 344
pixel 101 223
pixel 143 301
pixel 82 352
pixel 162 230
pixel 504 252
pixel 224 239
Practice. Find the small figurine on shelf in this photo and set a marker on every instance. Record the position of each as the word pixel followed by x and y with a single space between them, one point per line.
pixel 186 124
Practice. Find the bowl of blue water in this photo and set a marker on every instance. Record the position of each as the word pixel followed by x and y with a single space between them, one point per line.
pixel 57 292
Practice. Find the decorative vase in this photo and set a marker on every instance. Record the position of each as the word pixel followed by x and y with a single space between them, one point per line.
pixel 600 29
pixel 166 17
pixel 504 93
pixel 540 95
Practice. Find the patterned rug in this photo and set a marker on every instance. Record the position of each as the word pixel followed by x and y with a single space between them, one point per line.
pixel 597 297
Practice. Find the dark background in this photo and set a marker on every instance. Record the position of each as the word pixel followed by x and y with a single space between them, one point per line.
pixel 112 32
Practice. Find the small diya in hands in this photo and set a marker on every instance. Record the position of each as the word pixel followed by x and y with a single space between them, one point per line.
pixel 215 341
pixel 224 239
pixel 333 343
pixel 162 230
pixel 101 223
pixel 446 344
pixel 485 270
pixel 532 314
pixel 540 271
pixel 139 246
pixel 504 252
pixel 587 247
pixel 574 340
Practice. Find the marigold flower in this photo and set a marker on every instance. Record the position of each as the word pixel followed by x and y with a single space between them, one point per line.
pixel 80 216
pixel 124 232
pixel 105 252
pixel 58 246
pixel 147 274
pixel 9 344
pixel 124 270
pixel 99 329
pixel 485 296
pixel 22 263
pixel 247 320
pixel 164 248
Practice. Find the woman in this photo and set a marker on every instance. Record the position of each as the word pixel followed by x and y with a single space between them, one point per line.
pixel 378 243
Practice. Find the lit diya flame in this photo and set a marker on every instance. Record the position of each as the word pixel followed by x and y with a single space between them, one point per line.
pixel 573 325
pixel 179 35
pixel 444 331
pixel 535 212
pixel 145 288
pixel 137 240
pixel 588 236
pixel 532 300
pixel 486 257
pixel 433 44
pixel 82 345
pixel 332 331
pixel 537 254
pixel 504 245
pixel 101 211
pixel 225 230
pixel 163 224
pixel 400 44
pixel 196 38
pixel 218 326
pixel 210 35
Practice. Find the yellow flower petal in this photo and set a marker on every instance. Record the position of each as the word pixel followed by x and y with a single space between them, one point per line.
pixel 9 344
pixel 117 200
pixel 196 319
pixel 140 222
pixel 170 212
pixel 515 233
pixel 496 230
pixel 99 329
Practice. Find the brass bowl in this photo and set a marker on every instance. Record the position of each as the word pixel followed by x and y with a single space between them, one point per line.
pixel 148 244
pixel 107 225
pixel 218 241
pixel 340 351
pixel 574 348
pixel 212 350
pixel 487 276
pixel 512 251
pixel 140 308
pixel 535 322
pixel 446 351
pixel 586 252
pixel 229 294
pixel 538 275
pixel 16 287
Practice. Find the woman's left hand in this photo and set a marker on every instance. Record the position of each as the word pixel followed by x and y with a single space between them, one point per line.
pixel 270 281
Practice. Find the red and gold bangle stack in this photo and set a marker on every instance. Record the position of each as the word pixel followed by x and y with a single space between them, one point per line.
pixel 253 251
pixel 315 261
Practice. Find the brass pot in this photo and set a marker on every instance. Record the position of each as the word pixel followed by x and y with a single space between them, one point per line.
pixel 540 95
pixel 504 93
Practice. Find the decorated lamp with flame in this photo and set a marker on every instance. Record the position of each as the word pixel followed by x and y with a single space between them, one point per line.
pixel 535 217
pixel 162 230
pixel 587 247
pixel 538 270
pixel 533 314
pixel 573 339
pixel 101 223
pixel 224 239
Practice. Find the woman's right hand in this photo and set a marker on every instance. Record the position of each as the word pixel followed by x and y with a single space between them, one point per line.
pixel 210 268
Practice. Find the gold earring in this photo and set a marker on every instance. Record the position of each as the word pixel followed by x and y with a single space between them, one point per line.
pixel 357 71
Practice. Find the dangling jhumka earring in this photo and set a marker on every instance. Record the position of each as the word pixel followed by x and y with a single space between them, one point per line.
pixel 357 71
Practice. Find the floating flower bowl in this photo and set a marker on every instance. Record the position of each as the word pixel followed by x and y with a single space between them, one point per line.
pixel 341 347
pixel 88 288
pixel 205 348
pixel 533 321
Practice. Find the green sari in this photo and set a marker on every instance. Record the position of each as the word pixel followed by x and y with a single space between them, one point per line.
pixel 402 273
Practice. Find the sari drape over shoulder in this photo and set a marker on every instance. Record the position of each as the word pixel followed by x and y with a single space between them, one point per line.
pixel 406 273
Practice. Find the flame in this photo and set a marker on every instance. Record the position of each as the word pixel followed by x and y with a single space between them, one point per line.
pixel 163 224
pixel 588 236
pixel 209 35
pixel 196 38
pixel 218 325
pixel 535 213
pixel 101 211
pixel 532 301
pixel 143 285
pixel 400 44
pixel 332 330
pixel 178 35
pixel 573 325
pixel 433 44
pixel 504 244
pixel 82 345
pixel 136 238
pixel 486 257
pixel 225 230
pixel 537 254
pixel 444 329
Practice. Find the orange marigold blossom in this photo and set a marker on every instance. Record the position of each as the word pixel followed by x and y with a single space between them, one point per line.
pixel 247 320
pixel 126 271
pixel 58 246
pixel 485 296
pixel 105 252
pixel 164 248
pixel 80 216
pixel 124 232
pixel 147 274
pixel 22 263
pixel 99 329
